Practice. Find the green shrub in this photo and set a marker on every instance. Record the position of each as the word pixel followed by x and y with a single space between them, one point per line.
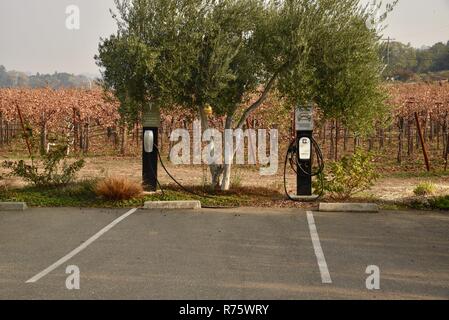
pixel 54 172
pixel 424 189
pixel 351 175
pixel 441 203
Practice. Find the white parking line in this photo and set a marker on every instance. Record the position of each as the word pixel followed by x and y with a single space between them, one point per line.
pixel 325 275
pixel 83 246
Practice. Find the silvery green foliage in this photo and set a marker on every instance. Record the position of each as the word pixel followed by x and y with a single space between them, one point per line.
pixel 194 53
pixel 52 170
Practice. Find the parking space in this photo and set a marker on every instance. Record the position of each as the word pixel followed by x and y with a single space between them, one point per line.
pixel 30 240
pixel 222 254
pixel 411 250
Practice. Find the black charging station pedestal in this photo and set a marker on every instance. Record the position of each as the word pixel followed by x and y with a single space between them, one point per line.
pixel 304 137
pixel 150 159
pixel 304 168
pixel 151 122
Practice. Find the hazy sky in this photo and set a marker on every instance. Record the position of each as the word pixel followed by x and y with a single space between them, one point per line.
pixel 34 38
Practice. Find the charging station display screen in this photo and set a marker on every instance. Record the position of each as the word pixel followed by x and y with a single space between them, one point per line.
pixel 148 141
pixel 305 149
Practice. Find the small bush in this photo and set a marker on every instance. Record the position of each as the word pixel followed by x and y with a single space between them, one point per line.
pixel 54 172
pixel 118 188
pixel 348 176
pixel 441 203
pixel 425 189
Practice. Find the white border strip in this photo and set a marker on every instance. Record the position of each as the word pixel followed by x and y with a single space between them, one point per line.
pixel 83 246
pixel 325 275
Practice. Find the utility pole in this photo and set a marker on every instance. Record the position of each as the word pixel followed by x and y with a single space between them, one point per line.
pixel 388 40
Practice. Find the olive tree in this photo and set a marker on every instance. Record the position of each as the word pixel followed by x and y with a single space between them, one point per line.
pixel 188 52
pixel 196 53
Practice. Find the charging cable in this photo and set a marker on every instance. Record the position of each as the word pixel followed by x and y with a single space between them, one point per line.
pixel 184 188
pixel 292 157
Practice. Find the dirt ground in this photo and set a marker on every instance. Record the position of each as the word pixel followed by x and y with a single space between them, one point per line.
pixel 393 189
pixel 386 188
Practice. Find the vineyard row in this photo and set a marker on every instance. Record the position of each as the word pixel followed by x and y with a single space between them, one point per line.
pixel 89 121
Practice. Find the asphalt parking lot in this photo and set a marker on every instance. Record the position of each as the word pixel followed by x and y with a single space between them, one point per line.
pixel 222 254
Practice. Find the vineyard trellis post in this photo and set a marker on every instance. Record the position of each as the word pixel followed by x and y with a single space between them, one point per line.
pixel 1 129
pixel 43 133
pixel 447 154
pixel 400 135
pixel 25 134
pixel 423 144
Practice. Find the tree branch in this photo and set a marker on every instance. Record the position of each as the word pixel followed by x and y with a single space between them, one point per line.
pixel 259 101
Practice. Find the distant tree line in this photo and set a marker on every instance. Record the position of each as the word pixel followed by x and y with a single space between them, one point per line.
pixel 403 62
pixel 12 79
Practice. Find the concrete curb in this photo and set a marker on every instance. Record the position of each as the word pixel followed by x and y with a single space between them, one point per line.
pixel 172 205
pixel 13 206
pixel 349 207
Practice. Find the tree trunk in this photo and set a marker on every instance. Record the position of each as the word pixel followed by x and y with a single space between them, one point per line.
pixel 216 170
pixel 226 181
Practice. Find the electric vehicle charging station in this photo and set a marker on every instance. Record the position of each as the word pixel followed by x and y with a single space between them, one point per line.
pixel 151 123
pixel 304 132
pixel 301 155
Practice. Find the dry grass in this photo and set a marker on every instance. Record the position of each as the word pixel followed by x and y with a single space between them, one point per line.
pixel 6 183
pixel 118 188
pixel 3 186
